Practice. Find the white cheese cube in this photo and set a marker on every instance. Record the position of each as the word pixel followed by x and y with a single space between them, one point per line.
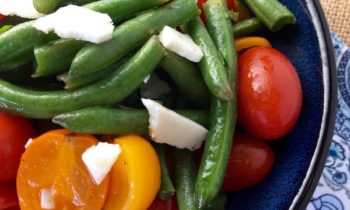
pixel 100 158
pixel 166 126
pixel 78 23
pixel 181 44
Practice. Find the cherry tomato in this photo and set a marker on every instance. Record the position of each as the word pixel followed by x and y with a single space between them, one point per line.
pixel 230 6
pixel 159 204
pixel 1 16
pixel 8 195
pixel 14 133
pixel 251 160
pixel 53 161
pixel 269 93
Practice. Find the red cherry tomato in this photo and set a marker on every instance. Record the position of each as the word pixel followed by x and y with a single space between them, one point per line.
pixel 230 6
pixel 269 93
pixel 8 195
pixel 250 161
pixel 14 133
pixel 159 204
pixel 1 16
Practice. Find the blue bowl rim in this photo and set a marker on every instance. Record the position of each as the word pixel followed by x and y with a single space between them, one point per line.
pixel 306 191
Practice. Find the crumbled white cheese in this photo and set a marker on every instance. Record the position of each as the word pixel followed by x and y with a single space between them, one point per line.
pixel 22 8
pixel 100 158
pixel 78 23
pixel 181 44
pixel 166 126
pixel 28 143
pixel 46 199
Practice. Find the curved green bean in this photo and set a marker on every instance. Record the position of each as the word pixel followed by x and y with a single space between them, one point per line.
pixel 99 120
pixel 213 70
pixel 56 57
pixel 111 90
pixel 130 34
pixel 223 114
pixel 187 78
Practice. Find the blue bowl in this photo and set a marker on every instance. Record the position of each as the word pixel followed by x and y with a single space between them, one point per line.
pixel 301 155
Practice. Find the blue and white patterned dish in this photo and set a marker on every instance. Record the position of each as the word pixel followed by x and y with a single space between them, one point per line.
pixel 301 155
pixel 333 189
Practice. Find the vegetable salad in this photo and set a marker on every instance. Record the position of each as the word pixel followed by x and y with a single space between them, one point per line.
pixel 153 104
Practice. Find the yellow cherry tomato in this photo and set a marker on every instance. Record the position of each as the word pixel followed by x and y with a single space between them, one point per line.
pixel 245 43
pixel 135 177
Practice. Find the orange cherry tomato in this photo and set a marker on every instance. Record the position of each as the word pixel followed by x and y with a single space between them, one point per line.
pixel 135 177
pixel 8 195
pixel 54 161
pixel 251 160
pixel 269 93
pixel 14 133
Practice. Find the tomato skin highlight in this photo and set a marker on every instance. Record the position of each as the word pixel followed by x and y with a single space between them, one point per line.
pixel 14 134
pixel 8 195
pixel 251 160
pixel 269 93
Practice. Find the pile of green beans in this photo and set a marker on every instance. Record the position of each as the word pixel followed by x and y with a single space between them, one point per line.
pixel 99 79
pixel 55 57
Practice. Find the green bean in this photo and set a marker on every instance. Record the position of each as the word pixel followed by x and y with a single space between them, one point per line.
pixel 50 62
pixel 99 120
pixel 219 203
pixel 220 30
pixel 272 13
pixel 18 61
pixel 48 6
pixel 187 78
pixel 213 70
pixel 77 82
pixel 18 40
pixel 111 90
pixel 129 35
pixel 167 188
pixel 118 10
pixel 185 176
pixel 223 114
pixel 246 27
pixel 56 56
